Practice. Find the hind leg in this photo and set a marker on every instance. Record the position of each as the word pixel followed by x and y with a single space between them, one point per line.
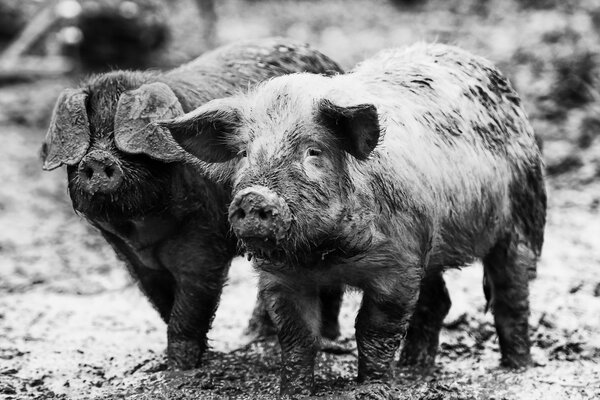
pixel 261 326
pixel 422 338
pixel 506 281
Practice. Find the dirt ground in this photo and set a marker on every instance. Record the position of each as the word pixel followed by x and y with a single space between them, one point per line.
pixel 74 326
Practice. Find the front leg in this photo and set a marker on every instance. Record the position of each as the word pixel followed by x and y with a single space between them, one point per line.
pixel 388 303
pixel 296 313
pixel 192 314
pixel 200 268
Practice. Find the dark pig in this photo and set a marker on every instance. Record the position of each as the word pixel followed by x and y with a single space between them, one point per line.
pixel 164 218
pixel 418 160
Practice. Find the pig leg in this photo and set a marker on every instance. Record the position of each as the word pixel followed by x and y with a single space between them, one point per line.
pixel 199 263
pixel 196 300
pixel 296 315
pixel 382 320
pixel 506 276
pixel 421 342
pixel 260 324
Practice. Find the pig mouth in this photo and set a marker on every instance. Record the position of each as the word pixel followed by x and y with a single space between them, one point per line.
pixel 137 195
pixel 114 208
pixel 261 247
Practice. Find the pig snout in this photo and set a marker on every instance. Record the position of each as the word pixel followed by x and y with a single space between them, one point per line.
pixel 99 171
pixel 259 216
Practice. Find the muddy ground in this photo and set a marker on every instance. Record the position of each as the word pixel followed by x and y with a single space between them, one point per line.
pixel 74 326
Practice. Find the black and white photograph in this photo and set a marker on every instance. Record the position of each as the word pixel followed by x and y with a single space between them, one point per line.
pixel 300 199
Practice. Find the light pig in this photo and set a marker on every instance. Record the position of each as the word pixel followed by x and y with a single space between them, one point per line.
pixel 418 160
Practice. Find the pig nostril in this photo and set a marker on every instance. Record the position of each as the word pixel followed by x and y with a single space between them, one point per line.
pixel 108 171
pixel 263 215
pixel 239 214
pixel 89 172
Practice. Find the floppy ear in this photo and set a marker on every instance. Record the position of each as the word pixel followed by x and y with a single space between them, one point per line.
pixel 356 127
pixel 135 132
pixel 206 131
pixel 68 136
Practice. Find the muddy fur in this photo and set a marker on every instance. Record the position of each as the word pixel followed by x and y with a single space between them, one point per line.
pixel 425 161
pixel 165 219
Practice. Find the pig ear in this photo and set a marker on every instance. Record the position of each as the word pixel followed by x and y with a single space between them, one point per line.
pixel 68 136
pixel 357 127
pixel 135 132
pixel 207 131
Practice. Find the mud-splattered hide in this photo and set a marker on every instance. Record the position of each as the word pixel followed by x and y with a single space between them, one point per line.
pixel 418 160
pixel 305 164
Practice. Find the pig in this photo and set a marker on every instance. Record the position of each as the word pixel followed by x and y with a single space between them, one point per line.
pixel 164 217
pixel 418 160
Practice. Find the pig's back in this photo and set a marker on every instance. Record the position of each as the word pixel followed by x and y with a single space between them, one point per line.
pixel 278 55
pixel 457 141
pixel 447 96
pixel 233 68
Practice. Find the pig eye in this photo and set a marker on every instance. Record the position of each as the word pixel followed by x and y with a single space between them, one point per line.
pixel 243 153
pixel 312 152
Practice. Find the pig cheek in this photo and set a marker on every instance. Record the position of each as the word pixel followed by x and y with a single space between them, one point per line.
pixel 320 171
pixel 73 187
pixel 316 169
pixel 240 173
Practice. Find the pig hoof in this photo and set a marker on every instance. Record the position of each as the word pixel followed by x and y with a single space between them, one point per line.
pixel 516 361
pixel 376 391
pixel 183 355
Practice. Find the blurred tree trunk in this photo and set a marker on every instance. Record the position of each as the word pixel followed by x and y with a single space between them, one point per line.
pixel 208 16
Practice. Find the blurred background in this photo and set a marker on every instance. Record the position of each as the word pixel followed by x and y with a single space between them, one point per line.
pixel 73 325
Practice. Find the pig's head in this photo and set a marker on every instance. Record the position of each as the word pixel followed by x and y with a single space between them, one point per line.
pixel 118 163
pixel 288 159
